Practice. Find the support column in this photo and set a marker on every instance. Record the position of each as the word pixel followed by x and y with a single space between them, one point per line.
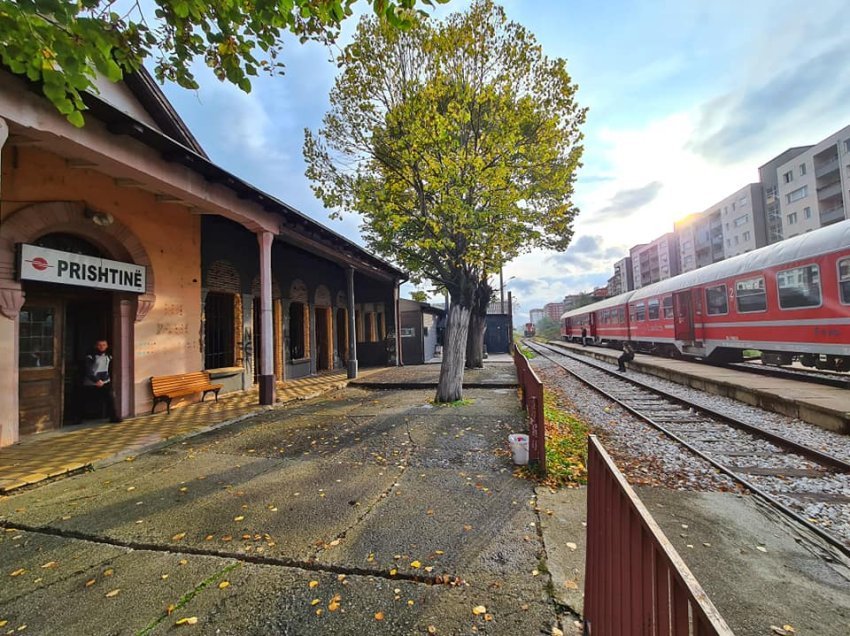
pixel 352 327
pixel 266 376
pixel 397 320
pixel 11 301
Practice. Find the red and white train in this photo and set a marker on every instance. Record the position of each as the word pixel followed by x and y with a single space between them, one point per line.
pixel 788 300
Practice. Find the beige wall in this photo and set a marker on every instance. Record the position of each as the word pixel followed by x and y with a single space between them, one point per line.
pixel 167 340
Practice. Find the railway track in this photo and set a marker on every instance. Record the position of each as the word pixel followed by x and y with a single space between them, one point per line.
pixel 743 451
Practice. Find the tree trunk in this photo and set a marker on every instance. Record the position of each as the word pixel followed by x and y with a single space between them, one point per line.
pixel 475 341
pixel 450 387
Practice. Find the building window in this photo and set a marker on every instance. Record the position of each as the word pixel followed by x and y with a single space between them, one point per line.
pixel 792 218
pixel 297 331
pixel 728 242
pixel 750 295
pixel 799 287
pixel 36 339
pixel 218 330
pixel 737 240
pixel 788 177
pixel 743 201
pixel 847 145
pixel 652 309
pixel 802 169
pixel 796 195
pixel 746 236
pixel 844 280
pixel 715 300
pixel 807 213
pixel 741 220
pixel 667 306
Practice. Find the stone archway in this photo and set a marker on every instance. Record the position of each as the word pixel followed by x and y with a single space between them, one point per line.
pixel 31 222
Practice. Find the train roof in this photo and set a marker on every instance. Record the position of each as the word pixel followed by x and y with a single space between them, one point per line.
pixel 620 299
pixel 816 243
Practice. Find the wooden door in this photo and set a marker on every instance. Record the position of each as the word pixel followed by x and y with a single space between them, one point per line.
pixel 342 334
pixel 40 364
pixel 683 312
pixel 324 339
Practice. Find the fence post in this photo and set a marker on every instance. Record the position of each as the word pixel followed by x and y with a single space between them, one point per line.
pixel 539 415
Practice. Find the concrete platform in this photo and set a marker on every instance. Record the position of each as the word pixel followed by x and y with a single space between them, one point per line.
pixel 824 406
pixel 494 375
pixel 757 569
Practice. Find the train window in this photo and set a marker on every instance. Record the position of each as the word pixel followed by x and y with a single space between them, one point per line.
pixel 640 312
pixel 715 300
pixel 621 315
pixel 667 306
pixel 844 280
pixel 750 295
pixel 799 287
pixel 652 309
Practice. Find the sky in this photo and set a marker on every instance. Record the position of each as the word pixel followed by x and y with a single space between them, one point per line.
pixel 686 99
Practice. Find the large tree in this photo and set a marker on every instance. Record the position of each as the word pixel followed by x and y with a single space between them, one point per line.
pixel 64 44
pixel 458 142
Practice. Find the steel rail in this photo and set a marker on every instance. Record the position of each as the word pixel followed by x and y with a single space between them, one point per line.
pixel 826 536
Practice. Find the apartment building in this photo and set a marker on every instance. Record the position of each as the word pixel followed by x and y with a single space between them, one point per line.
pixel 623 279
pixel 814 186
pixel 536 315
pixel 769 178
pixel 553 311
pixel 655 261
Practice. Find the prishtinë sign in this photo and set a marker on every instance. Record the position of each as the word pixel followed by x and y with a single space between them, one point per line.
pixel 52 266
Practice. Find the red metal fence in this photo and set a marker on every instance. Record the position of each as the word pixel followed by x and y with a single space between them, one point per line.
pixel 635 581
pixel 532 401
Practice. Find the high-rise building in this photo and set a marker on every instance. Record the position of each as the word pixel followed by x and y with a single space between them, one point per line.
pixel 622 280
pixel 769 178
pixel 814 186
pixel 554 311
pixel 655 261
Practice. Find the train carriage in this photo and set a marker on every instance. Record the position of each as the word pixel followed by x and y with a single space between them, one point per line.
pixel 787 299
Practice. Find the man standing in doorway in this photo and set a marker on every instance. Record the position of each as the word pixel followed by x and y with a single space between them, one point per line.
pixel 97 382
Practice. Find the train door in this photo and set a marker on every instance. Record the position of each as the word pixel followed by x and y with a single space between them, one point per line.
pixel 683 316
pixel 592 329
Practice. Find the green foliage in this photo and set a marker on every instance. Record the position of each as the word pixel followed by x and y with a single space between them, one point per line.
pixel 65 44
pixel 457 141
pixel 528 353
pixel 547 329
pixel 566 444
pixel 419 296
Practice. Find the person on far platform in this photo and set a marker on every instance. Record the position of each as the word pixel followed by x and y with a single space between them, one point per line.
pixel 584 336
pixel 627 356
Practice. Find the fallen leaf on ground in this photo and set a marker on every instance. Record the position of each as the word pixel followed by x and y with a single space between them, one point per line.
pixel 438 552
pixel 334 543
pixel 488 617
pixel 315 601
pixel 535 572
pixel 415 564
pixel 108 572
pixel 164 576
pixel 223 585
pixel 571 545
pixel 379 616
pixel 49 564
pixel 179 536
pixel 113 593
pixel 182 562
pixel 313 584
pixel 761 548
pixel 432 629
pixel 393 572
pixel 191 620
pixel 479 609
pixel 18 572
pixel 91 582
pixel 238 518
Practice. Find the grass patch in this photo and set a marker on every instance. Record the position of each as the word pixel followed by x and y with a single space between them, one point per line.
pixel 456 403
pixel 566 447
pixel 528 353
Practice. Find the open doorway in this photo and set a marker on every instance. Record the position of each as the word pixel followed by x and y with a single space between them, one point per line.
pixel 342 334
pixel 324 339
pixel 87 320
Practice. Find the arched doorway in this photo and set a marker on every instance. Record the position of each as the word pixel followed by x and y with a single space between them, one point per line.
pixel 58 326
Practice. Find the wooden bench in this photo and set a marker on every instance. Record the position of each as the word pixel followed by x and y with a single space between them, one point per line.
pixel 167 387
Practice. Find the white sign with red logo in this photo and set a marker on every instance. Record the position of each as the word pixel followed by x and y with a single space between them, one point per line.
pixel 52 266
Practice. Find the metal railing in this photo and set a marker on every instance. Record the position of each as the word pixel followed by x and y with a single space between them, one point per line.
pixel 531 389
pixel 635 581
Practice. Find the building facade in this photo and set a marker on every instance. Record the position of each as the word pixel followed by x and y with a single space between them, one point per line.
pixel 814 186
pixel 655 261
pixel 124 230
pixel 623 278
pixel 769 179
pixel 536 315
pixel 553 311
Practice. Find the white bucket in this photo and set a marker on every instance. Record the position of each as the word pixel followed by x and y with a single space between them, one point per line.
pixel 519 448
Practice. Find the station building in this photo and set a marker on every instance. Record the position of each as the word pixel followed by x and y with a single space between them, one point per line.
pixel 124 229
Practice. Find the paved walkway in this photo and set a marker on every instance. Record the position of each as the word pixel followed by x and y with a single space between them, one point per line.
pixel 493 375
pixel 360 512
pixel 40 457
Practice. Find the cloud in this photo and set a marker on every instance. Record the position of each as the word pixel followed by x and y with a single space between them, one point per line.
pixel 745 123
pixel 626 202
